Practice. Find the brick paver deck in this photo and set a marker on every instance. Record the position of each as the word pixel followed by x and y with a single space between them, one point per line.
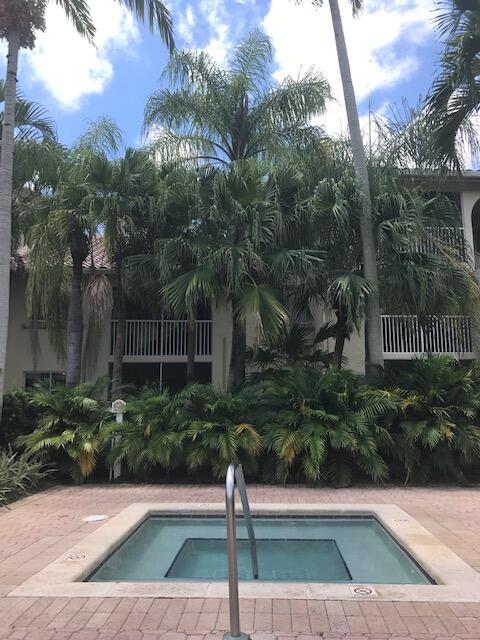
pixel 38 529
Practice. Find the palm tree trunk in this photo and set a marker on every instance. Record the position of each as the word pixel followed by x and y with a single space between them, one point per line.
pixel 6 180
pixel 119 348
pixel 340 337
pixel 374 350
pixel 236 372
pixel 191 349
pixel 73 367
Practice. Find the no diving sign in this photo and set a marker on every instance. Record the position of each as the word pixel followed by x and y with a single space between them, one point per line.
pixel 363 591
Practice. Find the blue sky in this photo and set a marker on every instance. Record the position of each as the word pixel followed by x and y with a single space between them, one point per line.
pixel 392 46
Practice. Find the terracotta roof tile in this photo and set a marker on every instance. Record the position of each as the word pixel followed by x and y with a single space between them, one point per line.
pixel 97 258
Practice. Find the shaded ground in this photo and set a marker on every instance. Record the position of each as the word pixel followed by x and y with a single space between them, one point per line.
pixel 38 529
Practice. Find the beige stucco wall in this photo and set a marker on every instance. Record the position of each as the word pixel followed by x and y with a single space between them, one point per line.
pixel 20 351
pixel 354 350
pixel 221 345
pixel 19 346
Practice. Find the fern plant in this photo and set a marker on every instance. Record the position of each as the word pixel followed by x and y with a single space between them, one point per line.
pixel 151 435
pixel 326 425
pixel 219 428
pixel 70 424
pixel 437 430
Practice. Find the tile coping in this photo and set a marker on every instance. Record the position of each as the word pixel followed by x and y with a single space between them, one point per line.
pixel 456 580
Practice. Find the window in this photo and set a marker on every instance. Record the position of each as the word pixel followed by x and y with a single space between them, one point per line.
pixel 171 375
pixel 36 322
pixel 51 377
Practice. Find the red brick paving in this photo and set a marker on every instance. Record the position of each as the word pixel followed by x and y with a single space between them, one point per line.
pixel 38 529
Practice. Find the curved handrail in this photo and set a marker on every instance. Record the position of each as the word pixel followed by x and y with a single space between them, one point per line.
pixel 235 477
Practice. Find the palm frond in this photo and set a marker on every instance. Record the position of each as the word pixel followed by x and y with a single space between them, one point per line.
pixel 78 12
pixel 157 16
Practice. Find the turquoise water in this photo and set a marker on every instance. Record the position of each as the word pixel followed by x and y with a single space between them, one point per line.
pixel 289 550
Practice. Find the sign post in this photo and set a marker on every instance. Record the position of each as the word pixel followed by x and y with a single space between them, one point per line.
pixel 118 408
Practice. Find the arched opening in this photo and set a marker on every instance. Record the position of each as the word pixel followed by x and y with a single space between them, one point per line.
pixel 476 232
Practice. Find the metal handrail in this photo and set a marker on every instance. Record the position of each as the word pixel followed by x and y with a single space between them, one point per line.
pixel 235 476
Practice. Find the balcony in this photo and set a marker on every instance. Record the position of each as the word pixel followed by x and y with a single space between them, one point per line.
pixel 404 337
pixel 163 338
pixel 451 237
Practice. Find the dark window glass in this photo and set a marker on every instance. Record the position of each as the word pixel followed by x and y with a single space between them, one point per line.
pixel 53 378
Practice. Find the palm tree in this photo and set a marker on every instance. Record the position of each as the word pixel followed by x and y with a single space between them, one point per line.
pixel 411 280
pixel 59 246
pixel 222 117
pixel 414 281
pixel 242 256
pixel 335 226
pixel 406 139
pixel 37 159
pixel 128 190
pixel 162 257
pixel 19 21
pixel 294 345
pixel 219 116
pixel 455 95
pixel 183 206
pixel 31 119
pixel 373 327
pixel 60 240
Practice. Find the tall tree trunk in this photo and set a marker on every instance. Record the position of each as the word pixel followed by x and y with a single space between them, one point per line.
pixel 236 372
pixel 6 180
pixel 373 325
pixel 73 367
pixel 191 348
pixel 119 348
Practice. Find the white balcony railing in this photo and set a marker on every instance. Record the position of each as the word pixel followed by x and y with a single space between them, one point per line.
pixel 451 237
pixel 405 337
pixel 163 338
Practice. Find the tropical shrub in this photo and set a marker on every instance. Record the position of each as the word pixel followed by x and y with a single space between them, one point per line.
pixel 70 425
pixel 151 436
pixel 219 428
pixel 20 473
pixel 306 422
pixel 326 425
pixel 293 345
pixel 18 417
pixel 437 429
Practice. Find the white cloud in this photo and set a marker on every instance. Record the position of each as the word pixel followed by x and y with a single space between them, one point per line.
pixel 303 37
pixel 67 65
pixel 216 15
pixel 185 24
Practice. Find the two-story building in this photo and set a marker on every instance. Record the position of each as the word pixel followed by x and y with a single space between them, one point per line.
pixel 156 347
